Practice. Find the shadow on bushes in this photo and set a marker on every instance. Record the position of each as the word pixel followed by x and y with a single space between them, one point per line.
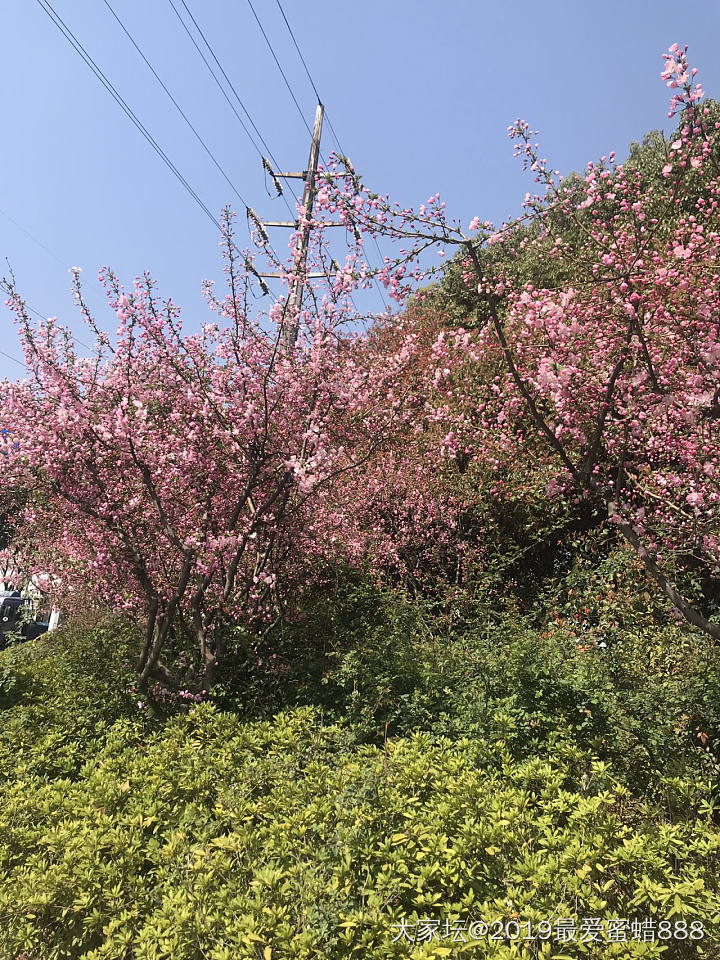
pixel 369 659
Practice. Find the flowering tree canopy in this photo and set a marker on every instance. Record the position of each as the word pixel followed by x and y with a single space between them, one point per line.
pixel 186 478
pixel 200 480
pixel 613 375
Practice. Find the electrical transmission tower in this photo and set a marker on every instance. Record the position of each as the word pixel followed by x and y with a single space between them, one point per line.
pixel 299 269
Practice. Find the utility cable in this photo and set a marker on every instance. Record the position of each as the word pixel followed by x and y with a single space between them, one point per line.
pixel 227 78
pixel 49 252
pixel 309 75
pixel 33 238
pixel 182 112
pixel 279 66
pixel 9 357
pixel 292 212
pixel 230 84
pixel 177 106
pixel 302 58
pixel 44 316
pixel 82 52
pixel 214 76
pixel 232 87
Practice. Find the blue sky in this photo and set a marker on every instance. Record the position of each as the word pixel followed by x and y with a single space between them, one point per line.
pixel 419 92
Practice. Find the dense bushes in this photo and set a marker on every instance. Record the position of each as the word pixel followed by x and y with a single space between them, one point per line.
pixel 637 692
pixel 215 835
pixel 215 838
pixel 58 697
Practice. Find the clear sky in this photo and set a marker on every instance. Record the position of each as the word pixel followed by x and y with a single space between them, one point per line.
pixel 420 93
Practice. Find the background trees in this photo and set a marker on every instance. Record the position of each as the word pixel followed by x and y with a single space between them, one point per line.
pixel 187 481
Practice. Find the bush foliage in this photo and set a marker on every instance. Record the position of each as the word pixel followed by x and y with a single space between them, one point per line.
pixel 226 839
pixel 312 833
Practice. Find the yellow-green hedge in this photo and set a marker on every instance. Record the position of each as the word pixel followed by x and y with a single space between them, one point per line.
pixel 214 839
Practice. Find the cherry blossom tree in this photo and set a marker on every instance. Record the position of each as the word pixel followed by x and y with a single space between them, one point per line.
pixel 184 479
pixel 611 379
pixel 200 480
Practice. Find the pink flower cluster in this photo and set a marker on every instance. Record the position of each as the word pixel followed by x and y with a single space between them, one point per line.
pixel 678 76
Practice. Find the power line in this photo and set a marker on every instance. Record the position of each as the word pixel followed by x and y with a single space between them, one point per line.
pixel 177 106
pixel 279 66
pixel 33 238
pixel 234 90
pixel 14 359
pixel 227 79
pixel 52 254
pixel 222 89
pixel 82 52
pixel 44 316
pixel 309 75
pixel 307 71
pixel 48 251
pixel 214 75
pixel 291 211
pixel 6 289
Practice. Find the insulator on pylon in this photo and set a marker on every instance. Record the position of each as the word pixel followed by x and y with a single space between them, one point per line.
pixel 258 224
pixel 251 269
pixel 269 169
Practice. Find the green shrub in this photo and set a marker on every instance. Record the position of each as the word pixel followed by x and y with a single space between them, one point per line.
pixel 648 702
pixel 218 839
pixel 62 693
pixel 10 682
